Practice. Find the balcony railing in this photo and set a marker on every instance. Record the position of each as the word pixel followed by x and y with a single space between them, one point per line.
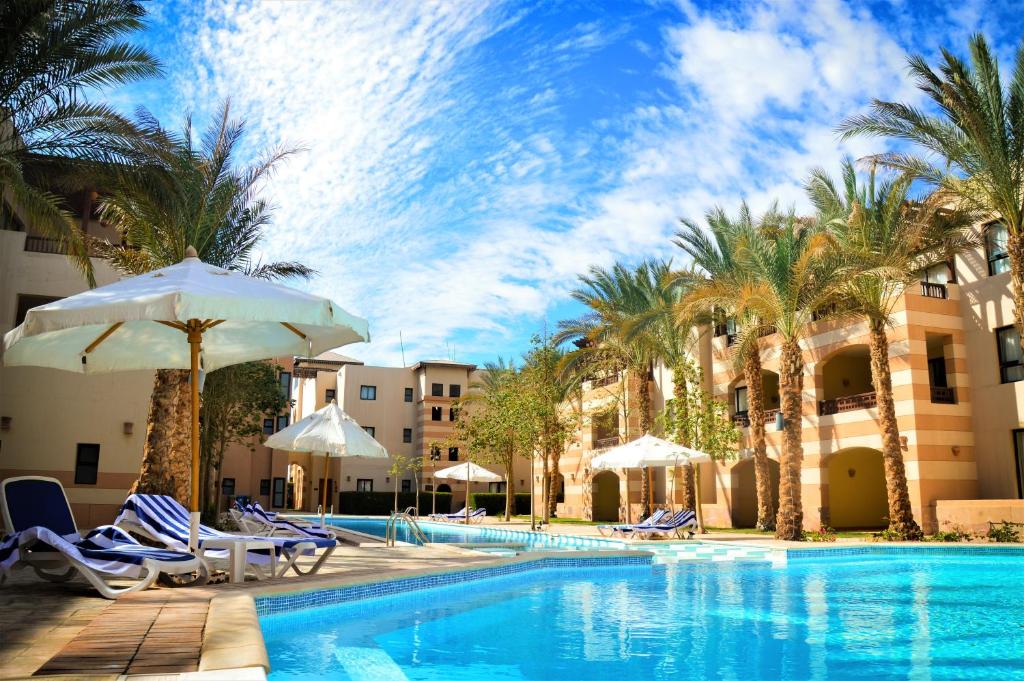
pixel 41 244
pixel 930 290
pixel 848 403
pixel 742 419
pixel 942 395
pixel 604 380
pixel 605 442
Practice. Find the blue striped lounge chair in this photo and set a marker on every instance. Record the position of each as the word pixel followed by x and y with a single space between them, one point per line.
pixel 612 530
pixel 460 516
pixel 41 534
pixel 260 521
pixel 163 520
pixel 682 524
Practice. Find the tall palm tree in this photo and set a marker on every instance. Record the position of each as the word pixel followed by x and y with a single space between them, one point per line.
pixel 182 194
pixel 53 52
pixel 977 136
pixel 715 254
pixel 889 241
pixel 615 297
pixel 792 272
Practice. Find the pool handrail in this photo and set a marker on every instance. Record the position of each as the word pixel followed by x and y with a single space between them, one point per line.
pixel 391 529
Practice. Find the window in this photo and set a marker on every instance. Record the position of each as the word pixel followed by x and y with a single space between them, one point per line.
pixel 937 372
pixel 453 414
pixel 937 274
pixel 27 302
pixel 367 392
pixel 364 485
pixel 1008 343
pixel 265 486
pixel 406 434
pixel 1018 450
pixel 435 413
pixel 277 500
pixel 455 390
pixel 227 487
pixel 428 488
pixel 453 453
pixel 370 430
pixel 329 395
pixel 268 426
pixel 87 463
pixel 407 485
pixel 496 487
pixel 437 389
pixel 282 421
pixel 286 384
pixel 741 400
pixel 435 453
pixel 408 394
pixel 996 237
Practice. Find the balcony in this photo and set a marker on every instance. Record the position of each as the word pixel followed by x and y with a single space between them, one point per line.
pixel 604 381
pixel 742 419
pixel 930 290
pixel 41 244
pixel 848 403
pixel 606 442
pixel 942 395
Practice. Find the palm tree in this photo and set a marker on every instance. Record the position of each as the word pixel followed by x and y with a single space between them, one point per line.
pixel 977 134
pixel 183 195
pixel 889 241
pixel 715 254
pixel 791 272
pixel 53 52
pixel 615 298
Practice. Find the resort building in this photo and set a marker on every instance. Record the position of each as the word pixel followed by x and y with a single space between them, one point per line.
pixel 957 379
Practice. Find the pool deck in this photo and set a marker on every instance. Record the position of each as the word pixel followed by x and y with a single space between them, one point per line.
pixel 68 631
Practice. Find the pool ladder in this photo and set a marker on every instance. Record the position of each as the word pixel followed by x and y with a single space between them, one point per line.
pixel 391 530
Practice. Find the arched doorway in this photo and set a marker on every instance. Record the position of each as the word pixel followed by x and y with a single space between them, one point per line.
pixel 744 491
pixel 445 488
pixel 296 486
pixel 856 490
pixel 605 496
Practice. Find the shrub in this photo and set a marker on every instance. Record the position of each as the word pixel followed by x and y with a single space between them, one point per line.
pixel 494 502
pixel 382 503
pixel 1005 532
pixel 889 535
pixel 954 534
pixel 825 534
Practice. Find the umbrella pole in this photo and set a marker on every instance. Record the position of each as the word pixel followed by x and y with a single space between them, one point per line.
pixel 195 340
pixel 323 491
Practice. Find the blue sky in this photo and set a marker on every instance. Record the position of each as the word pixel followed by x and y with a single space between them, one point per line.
pixel 466 161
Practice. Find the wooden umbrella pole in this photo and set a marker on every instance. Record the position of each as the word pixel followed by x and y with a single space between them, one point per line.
pixel 195 340
pixel 323 492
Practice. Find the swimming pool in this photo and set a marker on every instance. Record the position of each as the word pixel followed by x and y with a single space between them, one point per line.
pixel 881 614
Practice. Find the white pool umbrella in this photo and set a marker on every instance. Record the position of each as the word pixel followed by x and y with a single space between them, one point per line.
pixel 648 451
pixel 469 472
pixel 187 316
pixel 331 432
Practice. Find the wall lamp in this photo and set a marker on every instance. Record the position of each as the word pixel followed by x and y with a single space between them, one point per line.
pixel 780 422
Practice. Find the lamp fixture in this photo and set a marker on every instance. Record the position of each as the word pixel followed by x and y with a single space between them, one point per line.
pixel 128 427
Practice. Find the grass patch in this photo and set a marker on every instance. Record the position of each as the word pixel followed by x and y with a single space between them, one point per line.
pixel 562 521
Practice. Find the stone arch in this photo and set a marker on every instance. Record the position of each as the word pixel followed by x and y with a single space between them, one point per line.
pixel 744 491
pixel 856 497
pixel 605 496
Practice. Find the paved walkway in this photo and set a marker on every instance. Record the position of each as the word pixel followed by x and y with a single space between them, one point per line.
pixel 54 630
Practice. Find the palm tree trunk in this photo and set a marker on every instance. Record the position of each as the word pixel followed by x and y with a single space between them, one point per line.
pixel 545 485
pixel 901 516
pixel 167 456
pixel 510 490
pixel 680 392
pixel 1015 250
pixel 755 414
pixel 554 484
pixel 789 522
pixel 644 406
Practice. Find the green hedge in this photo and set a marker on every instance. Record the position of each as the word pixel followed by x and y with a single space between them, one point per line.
pixel 494 502
pixel 382 503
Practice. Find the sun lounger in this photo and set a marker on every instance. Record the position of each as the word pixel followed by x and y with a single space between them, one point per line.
pixel 460 516
pixel 612 530
pixel 682 524
pixel 41 534
pixel 259 522
pixel 164 520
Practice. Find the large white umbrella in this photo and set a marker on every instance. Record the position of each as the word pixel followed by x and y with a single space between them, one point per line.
pixel 334 433
pixel 649 451
pixel 187 316
pixel 469 472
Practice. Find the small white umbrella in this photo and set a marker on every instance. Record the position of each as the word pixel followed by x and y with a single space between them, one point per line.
pixel 187 316
pixel 469 472
pixel 649 451
pixel 331 431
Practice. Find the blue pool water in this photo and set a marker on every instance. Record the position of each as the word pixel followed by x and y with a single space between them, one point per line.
pixel 874 617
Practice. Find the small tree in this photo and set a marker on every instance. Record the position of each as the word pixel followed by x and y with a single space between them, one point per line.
pixel 415 466
pixel 235 401
pixel 498 424
pixel 399 464
pixel 704 423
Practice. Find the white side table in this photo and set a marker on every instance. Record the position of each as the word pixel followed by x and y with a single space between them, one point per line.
pixel 237 548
